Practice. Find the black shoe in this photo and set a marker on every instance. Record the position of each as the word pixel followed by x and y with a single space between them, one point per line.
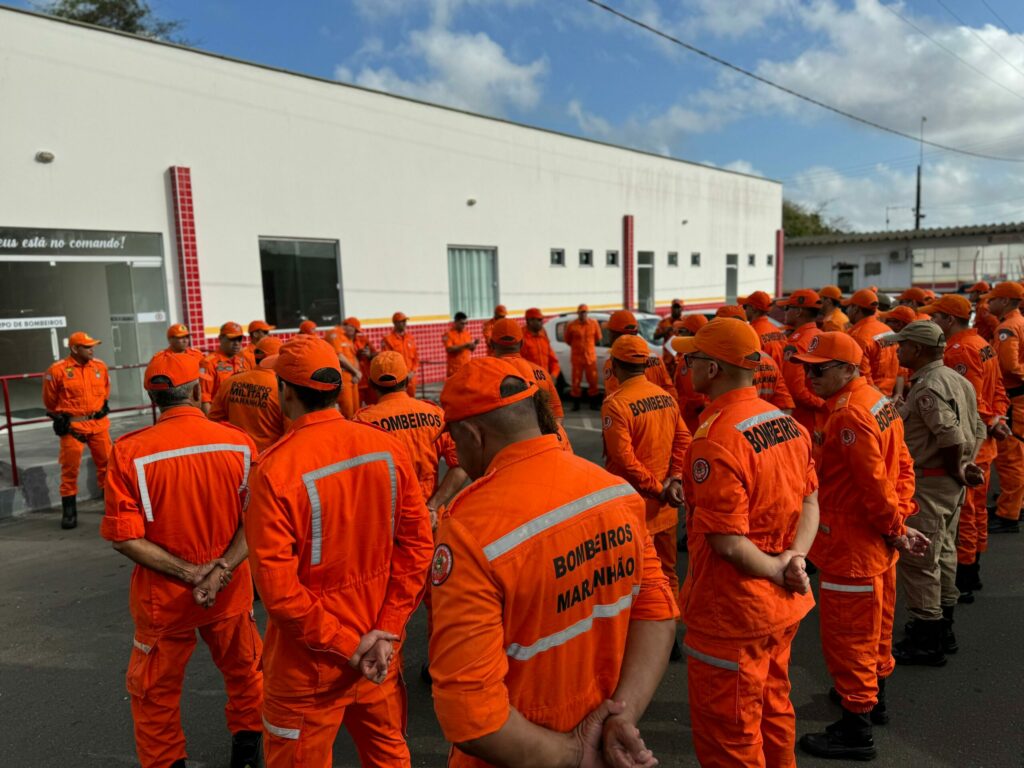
pixel 180 763
pixel 246 748
pixel 1002 525
pixel 425 674
pixel 69 512
pixel 922 646
pixel 849 738
pixel 965 582
pixel 949 644
pixel 595 403
pixel 878 715
pixel 834 697
pixel 575 404
pixel 676 653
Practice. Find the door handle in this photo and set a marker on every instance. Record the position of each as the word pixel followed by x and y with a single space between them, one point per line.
pixel 115 335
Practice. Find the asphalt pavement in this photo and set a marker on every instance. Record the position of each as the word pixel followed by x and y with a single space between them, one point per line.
pixel 66 636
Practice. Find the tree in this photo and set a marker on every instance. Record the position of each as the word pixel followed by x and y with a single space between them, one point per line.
pixel 133 16
pixel 800 221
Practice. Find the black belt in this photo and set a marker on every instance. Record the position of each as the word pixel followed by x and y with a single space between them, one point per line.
pixel 1016 391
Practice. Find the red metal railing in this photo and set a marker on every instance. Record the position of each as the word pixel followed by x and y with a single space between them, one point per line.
pixel 9 424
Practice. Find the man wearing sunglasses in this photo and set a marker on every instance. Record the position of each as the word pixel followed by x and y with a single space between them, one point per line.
pixel 867 484
pixel 803 308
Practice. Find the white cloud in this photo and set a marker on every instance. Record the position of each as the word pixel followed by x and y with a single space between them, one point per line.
pixel 660 133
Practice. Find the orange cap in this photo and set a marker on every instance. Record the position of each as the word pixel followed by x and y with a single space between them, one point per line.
pixel 804 298
pixel 231 330
pixel 307 327
pixel 831 292
pixel 981 287
pixel 475 388
pixel 630 349
pixel 265 347
pixel 623 321
pixel 678 303
pixel 758 300
pixel 354 322
pixel 730 310
pixel 500 311
pixel 506 333
pixel 951 304
pixel 693 323
pixel 864 298
pixel 832 346
pixel 724 338
pixel 903 313
pixel 82 339
pixel 582 308
pixel 913 294
pixel 1007 290
pixel 388 368
pixel 534 314
pixel 261 325
pixel 930 294
pixel 399 317
pixel 178 331
pixel 177 369
pixel 307 361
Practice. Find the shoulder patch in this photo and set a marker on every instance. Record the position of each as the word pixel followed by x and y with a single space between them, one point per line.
pixel 705 426
pixel 788 351
pixel 927 402
pixel 607 422
pixel 701 470
pixel 961 369
pixel 441 567
pixel 847 437
pixel 1004 334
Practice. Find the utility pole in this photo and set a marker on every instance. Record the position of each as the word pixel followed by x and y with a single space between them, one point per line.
pixel 917 208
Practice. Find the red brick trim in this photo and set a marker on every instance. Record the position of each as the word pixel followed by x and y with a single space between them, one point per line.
pixel 188 253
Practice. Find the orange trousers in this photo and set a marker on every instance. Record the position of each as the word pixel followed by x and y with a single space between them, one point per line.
pixel 582 367
pixel 70 458
pixel 156 671
pixel 299 731
pixel 1010 468
pixel 852 616
pixel 740 710
pixel 348 399
pixel 972 533
pixel 666 546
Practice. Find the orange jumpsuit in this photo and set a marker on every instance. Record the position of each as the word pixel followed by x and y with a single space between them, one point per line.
pixel 537 349
pixel 984 321
pixel 181 484
pixel 79 390
pixel 405 345
pixel 867 490
pixel 878 342
pixel 749 470
pixel 667 327
pixel 348 398
pixel 531 607
pixel 364 353
pixel 339 540
pixel 215 368
pixel 1008 344
pixel 453 338
pixel 770 385
pixel 645 443
pixel 809 409
pixel 773 338
pixel 582 338
pixel 969 354
pixel 691 402
pixel 656 373
pixel 250 401
pixel 837 321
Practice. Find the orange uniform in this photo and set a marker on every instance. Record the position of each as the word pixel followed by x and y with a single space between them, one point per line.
pixel 537 349
pixel 984 321
pixel 837 321
pixel 80 391
pixel 453 338
pixel 770 384
pixel 405 345
pixel 878 342
pixel 664 331
pixel 1008 344
pixel 645 443
pixel 691 402
pixel 544 381
pixel 419 425
pixel 348 398
pixel 582 338
pixel 339 540
pixel 364 354
pixel 250 401
pixel 750 469
pixel 969 354
pixel 769 333
pixel 181 485
pixel 215 368
pixel 656 373
pixel 192 351
pixel 531 607
pixel 867 487
pixel 809 409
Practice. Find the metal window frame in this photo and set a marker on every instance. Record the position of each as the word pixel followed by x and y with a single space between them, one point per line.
pixel 337 265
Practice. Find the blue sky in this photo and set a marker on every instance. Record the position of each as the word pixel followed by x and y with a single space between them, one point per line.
pixel 569 66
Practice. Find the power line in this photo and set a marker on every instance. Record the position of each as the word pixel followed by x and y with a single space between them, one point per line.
pixel 1003 22
pixel 980 39
pixel 791 92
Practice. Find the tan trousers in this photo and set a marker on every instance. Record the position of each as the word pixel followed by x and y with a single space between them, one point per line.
pixel 929 582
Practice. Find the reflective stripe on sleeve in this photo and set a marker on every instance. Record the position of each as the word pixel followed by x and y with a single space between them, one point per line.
pixel 732 666
pixel 760 418
pixel 281 733
pixel 316 509
pixel 882 402
pixel 141 646
pixel 607 611
pixel 191 450
pixel 539 524
pixel 847 587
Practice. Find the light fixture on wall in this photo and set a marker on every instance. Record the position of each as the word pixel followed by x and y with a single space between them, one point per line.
pixel 471 202
pixel 42 156
pixel 684 222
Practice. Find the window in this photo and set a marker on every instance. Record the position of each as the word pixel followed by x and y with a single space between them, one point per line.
pixel 557 257
pixel 947 265
pixel 918 264
pixel 586 258
pixel 872 268
pixel 769 259
pixel 472 280
pixel 694 259
pixel 751 260
pixel 673 259
pixel 611 258
pixel 300 282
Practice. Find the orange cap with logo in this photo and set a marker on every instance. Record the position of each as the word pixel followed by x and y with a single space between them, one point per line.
pixel 864 298
pixel 804 298
pixel 178 331
pixel 231 330
pixel 1006 290
pixel 834 345
pixel 623 321
pixel 388 368
pixel 500 311
pixel 82 339
pixel 307 361
pixel 399 317
pixel 261 325
pixel 506 333
pixel 630 349
pixel 952 304
pixel 533 313
pixel 831 292
pixel 170 370
pixel 730 310
pixel 759 300
pixel 980 287
pixel 266 347
pixel 724 338
pixel 475 388
pixel 903 313
pixel 354 322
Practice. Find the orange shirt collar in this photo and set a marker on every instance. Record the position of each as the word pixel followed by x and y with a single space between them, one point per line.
pixel 733 396
pixel 180 411
pixel 852 386
pixel 327 414
pixel 811 326
pixel 961 335
pixel 393 396
pixel 524 449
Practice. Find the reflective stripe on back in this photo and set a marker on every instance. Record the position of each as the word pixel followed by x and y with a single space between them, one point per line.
pixel 760 418
pixel 191 450
pixel 541 523
pixel 316 509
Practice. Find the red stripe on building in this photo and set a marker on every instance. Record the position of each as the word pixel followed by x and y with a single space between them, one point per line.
pixel 188 253
pixel 780 254
pixel 627 262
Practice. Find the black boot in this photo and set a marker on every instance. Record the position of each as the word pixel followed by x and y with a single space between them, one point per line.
pixel 965 583
pixel 69 516
pixel 949 644
pixel 922 645
pixel 595 403
pixel 179 763
pixel 246 749
pixel 879 714
pixel 849 738
pixel 425 674
pixel 575 404
pixel 676 653
pixel 1002 525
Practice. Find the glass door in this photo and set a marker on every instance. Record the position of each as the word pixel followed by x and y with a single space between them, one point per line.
pixel 645 281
